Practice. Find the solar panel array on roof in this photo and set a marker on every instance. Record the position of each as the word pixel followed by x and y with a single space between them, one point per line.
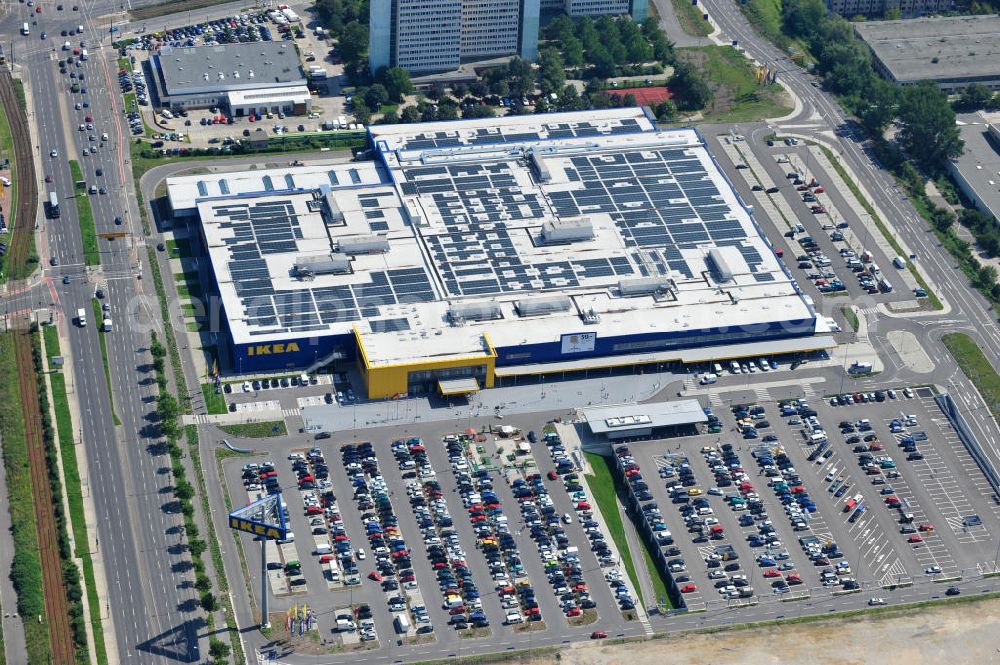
pixel 486 136
pixel 272 227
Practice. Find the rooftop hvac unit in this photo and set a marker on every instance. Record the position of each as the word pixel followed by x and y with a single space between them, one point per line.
pixel 333 209
pixel 366 244
pixel 546 305
pixel 643 286
pixel 307 267
pixel 541 169
pixel 725 262
pixel 567 230
pixel 474 311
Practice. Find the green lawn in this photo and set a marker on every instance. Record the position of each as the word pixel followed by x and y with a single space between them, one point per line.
pixel 88 230
pixel 691 18
pixel 98 321
pixel 74 497
pixel 256 430
pixel 51 334
pixel 214 402
pixel 977 367
pixel 738 96
pixel 851 317
pixel 602 489
pixel 839 168
pixel 26 570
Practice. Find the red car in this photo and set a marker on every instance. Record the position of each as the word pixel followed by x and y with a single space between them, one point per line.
pixel 926 527
pixel 819 190
pixel 374 576
pixel 326 558
pixel 598 634
pixel 583 505
pixel 771 572
pixel 689 588
pixel 793 578
pixel 914 539
pixel 573 612
pixel 552 475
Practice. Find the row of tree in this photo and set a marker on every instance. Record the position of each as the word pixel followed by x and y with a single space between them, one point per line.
pixel 606 45
pixel 922 114
pixel 347 20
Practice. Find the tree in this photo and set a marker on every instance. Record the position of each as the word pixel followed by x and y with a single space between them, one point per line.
pixel 478 111
pixel 799 18
pixel 376 96
pixel 520 77
pixel 361 112
pixel 428 112
pixel 560 28
pixel 973 97
pixel 436 91
pixel 690 92
pixel 986 276
pixel 410 114
pixel 390 117
pixel 551 73
pixel 878 106
pixel 629 100
pixel 184 490
pixel 587 34
pixel 893 14
pixel 209 602
pixel 665 111
pixel 542 105
pixel 353 48
pixel 603 62
pixel 218 649
pixel 572 52
pixel 396 81
pixel 927 129
pixel 447 110
pixel 569 100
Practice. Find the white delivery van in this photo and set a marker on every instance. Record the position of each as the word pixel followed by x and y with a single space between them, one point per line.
pixel 323 548
pixel 708 378
pixel 81 317
pixel 717 368
pixel 899 262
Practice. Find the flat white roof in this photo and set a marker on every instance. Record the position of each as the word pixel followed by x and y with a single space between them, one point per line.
pixel 463 224
pixel 184 191
pixel 292 93
pixel 624 417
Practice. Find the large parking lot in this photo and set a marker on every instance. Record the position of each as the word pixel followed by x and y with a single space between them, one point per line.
pixel 439 538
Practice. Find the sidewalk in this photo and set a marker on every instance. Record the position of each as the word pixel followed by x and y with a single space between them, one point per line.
pixel 15 647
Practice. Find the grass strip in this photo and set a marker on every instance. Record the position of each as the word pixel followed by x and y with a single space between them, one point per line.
pixel 659 584
pixel 74 497
pixel 977 368
pixel 168 329
pixel 691 19
pixel 214 402
pixel 213 544
pixel 26 568
pixel 99 322
pixel 170 7
pixel 602 488
pixel 261 430
pixel 856 191
pixel 51 334
pixel 88 230
pixel 852 318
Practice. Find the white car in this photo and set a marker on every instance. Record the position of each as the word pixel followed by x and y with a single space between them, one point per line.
pixel 361 554
pixel 877 601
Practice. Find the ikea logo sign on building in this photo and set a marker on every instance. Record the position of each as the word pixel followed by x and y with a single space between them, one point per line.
pixel 272 349
pixel 256 528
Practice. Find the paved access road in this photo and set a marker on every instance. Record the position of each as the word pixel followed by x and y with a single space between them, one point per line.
pixel 152 601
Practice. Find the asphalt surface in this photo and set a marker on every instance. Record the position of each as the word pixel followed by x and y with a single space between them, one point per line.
pixel 152 601
pixel 148 580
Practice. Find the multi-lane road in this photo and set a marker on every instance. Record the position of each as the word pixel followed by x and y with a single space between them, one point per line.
pixel 150 592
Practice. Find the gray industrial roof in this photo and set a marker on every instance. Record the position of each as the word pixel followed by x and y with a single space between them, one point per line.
pixel 229 67
pixel 935 48
pixel 624 417
pixel 979 165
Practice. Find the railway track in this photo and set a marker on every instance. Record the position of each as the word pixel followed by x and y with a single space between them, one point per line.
pixel 56 604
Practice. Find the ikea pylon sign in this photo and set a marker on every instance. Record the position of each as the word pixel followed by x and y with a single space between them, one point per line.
pixel 256 528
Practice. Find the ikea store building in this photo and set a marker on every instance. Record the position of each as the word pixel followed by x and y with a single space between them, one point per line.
pixel 475 253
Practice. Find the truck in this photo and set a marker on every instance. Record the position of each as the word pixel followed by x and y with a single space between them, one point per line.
pixel 81 317
pixel 54 205
pixel 24 29
pixel 402 624
pixel 884 285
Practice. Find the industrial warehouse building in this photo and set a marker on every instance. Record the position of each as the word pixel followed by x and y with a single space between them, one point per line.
pixel 483 252
pixel 952 51
pixel 254 77
pixel 977 169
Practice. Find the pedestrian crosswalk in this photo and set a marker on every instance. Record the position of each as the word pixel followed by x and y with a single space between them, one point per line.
pixel 762 395
pixel 714 399
pixel 646 626
pixel 808 390
pixel 289 413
